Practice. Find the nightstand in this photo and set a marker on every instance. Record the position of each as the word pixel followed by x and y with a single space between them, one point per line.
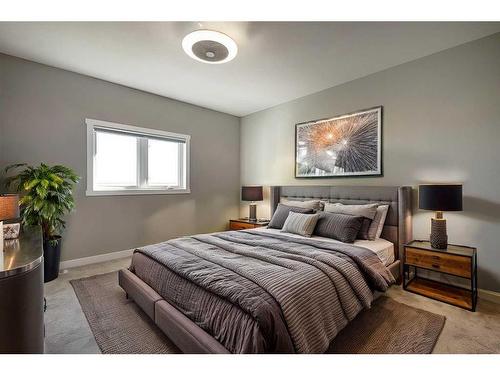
pixel 238 224
pixel 459 261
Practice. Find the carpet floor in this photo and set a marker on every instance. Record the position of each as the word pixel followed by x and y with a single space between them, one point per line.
pixel 121 327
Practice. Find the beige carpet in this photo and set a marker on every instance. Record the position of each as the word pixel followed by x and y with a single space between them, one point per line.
pixel 120 326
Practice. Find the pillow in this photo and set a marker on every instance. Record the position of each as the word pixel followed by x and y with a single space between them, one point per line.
pixel 377 224
pixel 302 224
pixel 365 227
pixel 281 214
pixel 340 227
pixel 365 210
pixel 311 204
pixel 368 211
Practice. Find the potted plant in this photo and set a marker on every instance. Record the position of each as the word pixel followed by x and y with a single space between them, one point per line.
pixel 46 196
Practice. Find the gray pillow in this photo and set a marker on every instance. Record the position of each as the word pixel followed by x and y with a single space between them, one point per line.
pixel 340 227
pixel 365 210
pixel 302 224
pixel 281 214
pixel 312 204
pixel 368 211
pixel 363 233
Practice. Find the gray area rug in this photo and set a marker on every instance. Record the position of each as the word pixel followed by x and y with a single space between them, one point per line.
pixel 121 327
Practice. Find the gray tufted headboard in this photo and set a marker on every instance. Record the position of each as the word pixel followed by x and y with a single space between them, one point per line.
pixel 398 224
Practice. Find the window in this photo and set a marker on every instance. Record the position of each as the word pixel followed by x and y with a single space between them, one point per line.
pixel 124 159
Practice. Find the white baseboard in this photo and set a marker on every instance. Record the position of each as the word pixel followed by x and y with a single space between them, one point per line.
pixel 96 259
pixel 489 295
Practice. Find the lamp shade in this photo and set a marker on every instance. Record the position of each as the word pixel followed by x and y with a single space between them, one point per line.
pixel 9 206
pixel 251 193
pixel 440 197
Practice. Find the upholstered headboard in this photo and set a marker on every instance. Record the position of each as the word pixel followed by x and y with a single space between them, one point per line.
pixel 398 224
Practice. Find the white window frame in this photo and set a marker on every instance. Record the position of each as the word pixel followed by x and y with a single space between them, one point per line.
pixel 142 161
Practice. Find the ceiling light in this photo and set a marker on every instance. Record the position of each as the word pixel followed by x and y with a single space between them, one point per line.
pixel 211 47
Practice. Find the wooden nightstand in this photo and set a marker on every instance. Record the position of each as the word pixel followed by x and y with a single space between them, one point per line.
pixel 459 261
pixel 238 224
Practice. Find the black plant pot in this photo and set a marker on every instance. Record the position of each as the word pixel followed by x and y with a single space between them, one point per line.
pixel 51 258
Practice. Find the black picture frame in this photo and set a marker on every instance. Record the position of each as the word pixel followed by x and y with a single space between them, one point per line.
pixel 375 173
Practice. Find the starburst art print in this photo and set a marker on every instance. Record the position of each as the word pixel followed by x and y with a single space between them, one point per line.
pixel 347 145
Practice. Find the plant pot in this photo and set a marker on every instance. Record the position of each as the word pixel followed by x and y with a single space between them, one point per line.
pixel 51 258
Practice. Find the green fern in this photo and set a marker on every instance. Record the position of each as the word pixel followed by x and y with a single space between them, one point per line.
pixel 46 195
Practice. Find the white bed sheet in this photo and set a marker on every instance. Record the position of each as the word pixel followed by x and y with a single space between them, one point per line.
pixel 383 248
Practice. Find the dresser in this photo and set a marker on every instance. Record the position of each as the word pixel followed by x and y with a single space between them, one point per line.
pixel 21 294
pixel 458 261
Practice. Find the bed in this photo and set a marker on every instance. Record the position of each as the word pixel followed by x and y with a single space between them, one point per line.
pixel 260 290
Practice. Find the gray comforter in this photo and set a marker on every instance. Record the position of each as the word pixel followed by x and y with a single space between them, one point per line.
pixel 262 292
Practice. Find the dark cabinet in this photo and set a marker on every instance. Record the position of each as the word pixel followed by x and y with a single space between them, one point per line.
pixel 21 294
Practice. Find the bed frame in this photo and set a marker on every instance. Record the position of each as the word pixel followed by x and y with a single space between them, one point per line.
pixel 190 338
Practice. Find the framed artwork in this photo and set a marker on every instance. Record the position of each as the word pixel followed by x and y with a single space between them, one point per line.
pixel 342 146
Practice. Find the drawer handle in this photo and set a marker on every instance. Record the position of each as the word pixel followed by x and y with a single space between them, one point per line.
pixel 435 266
pixel 435 257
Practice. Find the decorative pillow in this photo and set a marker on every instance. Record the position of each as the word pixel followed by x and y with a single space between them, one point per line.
pixel 340 227
pixel 281 214
pixel 365 227
pixel 302 224
pixel 368 211
pixel 377 224
pixel 365 210
pixel 311 204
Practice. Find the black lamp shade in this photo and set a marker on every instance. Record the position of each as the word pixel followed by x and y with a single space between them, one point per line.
pixel 440 197
pixel 251 193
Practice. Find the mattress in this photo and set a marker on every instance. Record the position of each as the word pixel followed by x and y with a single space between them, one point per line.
pixel 383 248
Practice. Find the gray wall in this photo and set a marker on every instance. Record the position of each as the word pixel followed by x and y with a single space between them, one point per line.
pixel 42 112
pixel 441 124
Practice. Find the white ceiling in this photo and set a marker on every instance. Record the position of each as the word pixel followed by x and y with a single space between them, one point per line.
pixel 277 61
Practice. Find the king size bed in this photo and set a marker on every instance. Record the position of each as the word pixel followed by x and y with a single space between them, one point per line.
pixel 266 291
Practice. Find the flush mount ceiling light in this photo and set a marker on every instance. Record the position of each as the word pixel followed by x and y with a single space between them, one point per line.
pixel 211 47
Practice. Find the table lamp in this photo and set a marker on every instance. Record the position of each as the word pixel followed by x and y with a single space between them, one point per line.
pixel 252 194
pixel 439 198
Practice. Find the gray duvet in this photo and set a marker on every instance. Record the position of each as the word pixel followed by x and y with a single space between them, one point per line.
pixel 259 292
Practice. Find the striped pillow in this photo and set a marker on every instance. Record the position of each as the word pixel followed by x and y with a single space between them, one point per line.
pixel 368 211
pixel 281 214
pixel 302 224
pixel 340 227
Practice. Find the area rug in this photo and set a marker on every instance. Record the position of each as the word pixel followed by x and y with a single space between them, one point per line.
pixel 121 327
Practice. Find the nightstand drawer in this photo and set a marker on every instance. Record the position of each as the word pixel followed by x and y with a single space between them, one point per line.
pixel 433 260
pixel 235 225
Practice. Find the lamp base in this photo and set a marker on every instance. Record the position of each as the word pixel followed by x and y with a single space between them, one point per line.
pixel 438 238
pixel 253 212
